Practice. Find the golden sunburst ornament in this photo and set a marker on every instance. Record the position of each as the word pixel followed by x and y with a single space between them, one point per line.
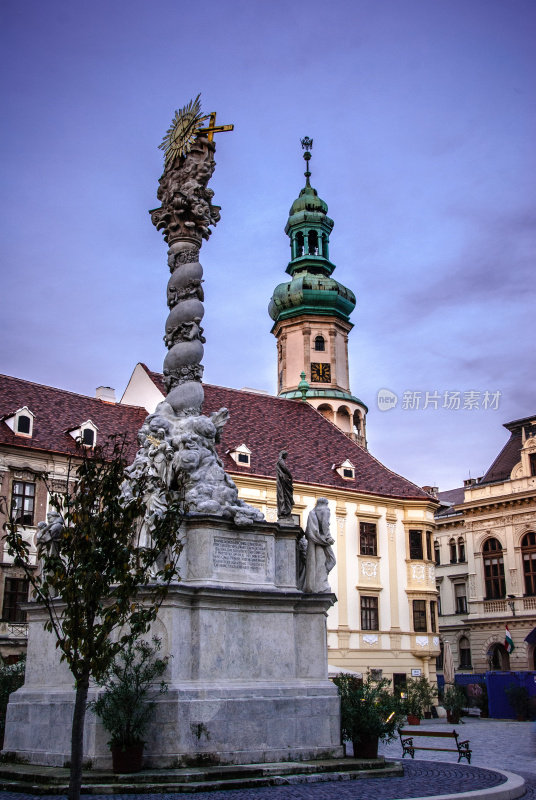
pixel 185 126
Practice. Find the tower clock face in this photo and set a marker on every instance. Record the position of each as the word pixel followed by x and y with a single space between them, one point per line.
pixel 321 373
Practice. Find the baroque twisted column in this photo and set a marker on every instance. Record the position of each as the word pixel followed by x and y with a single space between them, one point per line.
pixel 184 217
pixel 177 457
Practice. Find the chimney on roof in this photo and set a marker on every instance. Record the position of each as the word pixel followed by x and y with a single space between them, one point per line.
pixel 433 490
pixel 470 482
pixel 106 394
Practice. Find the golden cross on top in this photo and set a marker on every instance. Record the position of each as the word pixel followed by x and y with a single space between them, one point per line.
pixel 213 128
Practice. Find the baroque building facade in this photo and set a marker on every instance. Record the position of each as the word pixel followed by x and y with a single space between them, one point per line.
pixel 486 560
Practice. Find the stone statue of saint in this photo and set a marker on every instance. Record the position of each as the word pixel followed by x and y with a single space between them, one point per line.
pixel 320 558
pixel 285 489
pixel 48 535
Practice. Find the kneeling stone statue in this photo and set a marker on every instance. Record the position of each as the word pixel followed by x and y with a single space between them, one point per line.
pixel 320 558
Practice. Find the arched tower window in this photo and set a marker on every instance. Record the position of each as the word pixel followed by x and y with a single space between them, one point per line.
pixel 493 569
pixel 326 411
pixel 320 343
pixel 299 244
pixel 313 243
pixel 325 245
pixel 528 554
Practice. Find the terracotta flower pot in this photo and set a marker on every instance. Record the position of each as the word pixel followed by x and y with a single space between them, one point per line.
pixel 366 748
pixel 413 720
pixel 453 717
pixel 127 759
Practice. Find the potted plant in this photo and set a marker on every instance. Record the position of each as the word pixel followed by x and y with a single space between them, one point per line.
pixel 127 702
pixel 420 695
pixel 369 713
pixel 454 701
pixel 518 697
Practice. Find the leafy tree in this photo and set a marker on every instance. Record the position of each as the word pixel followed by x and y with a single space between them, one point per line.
pixel 101 589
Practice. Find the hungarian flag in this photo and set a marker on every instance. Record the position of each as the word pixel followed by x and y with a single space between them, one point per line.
pixel 508 642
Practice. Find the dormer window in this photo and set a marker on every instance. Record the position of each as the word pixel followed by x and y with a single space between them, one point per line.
pixel 241 455
pixel 21 422
pixel 86 434
pixel 88 437
pixel 346 470
pixel 24 424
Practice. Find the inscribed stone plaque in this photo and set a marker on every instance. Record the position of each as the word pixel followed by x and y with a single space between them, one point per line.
pixel 239 554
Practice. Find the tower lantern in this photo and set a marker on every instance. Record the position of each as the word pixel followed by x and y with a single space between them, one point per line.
pixel 311 314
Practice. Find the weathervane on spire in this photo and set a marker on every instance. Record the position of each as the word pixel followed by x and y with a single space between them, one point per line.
pixel 307 145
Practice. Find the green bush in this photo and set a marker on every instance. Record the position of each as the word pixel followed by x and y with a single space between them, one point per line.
pixel 368 709
pixel 420 695
pixel 127 702
pixel 518 697
pixel 454 700
pixel 11 679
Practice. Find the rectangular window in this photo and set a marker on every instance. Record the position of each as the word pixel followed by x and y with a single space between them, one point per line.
pixel 532 462
pixel 419 616
pixel 439 600
pixel 461 550
pixel 428 545
pixel 433 618
pixel 494 578
pixel 460 595
pixel 22 502
pixel 367 539
pixel 437 553
pixel 369 614
pixel 15 593
pixel 415 545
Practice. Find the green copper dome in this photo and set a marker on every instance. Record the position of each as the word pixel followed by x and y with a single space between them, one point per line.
pixel 308 200
pixel 311 290
pixel 308 293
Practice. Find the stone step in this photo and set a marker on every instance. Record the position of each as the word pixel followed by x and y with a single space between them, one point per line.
pixel 46 780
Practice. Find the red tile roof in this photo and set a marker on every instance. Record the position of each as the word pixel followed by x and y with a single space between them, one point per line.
pixel 58 411
pixel 264 423
pixel 268 424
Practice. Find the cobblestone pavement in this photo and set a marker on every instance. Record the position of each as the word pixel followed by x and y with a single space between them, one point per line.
pixel 496 744
pixel 420 779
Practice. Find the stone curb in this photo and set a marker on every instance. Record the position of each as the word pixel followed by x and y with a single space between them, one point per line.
pixel 512 789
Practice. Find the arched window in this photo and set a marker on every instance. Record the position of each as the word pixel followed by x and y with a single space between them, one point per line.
pixel 437 553
pixel 453 554
pixel 493 569
pixel 461 549
pixel 320 343
pixel 498 658
pixel 299 244
pixel 313 243
pixel 528 554
pixel 326 411
pixel 464 649
pixel 343 419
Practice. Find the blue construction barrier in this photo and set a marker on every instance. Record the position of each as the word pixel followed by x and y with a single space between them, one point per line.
pixel 496 684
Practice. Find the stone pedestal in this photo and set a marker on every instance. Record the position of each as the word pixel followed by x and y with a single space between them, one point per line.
pixel 248 677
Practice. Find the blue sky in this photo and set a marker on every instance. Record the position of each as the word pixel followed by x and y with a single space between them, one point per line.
pixel 423 119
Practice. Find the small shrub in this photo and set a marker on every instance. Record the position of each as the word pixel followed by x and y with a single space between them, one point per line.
pixel 127 702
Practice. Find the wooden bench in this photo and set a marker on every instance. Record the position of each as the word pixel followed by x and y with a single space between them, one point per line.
pixel 407 736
